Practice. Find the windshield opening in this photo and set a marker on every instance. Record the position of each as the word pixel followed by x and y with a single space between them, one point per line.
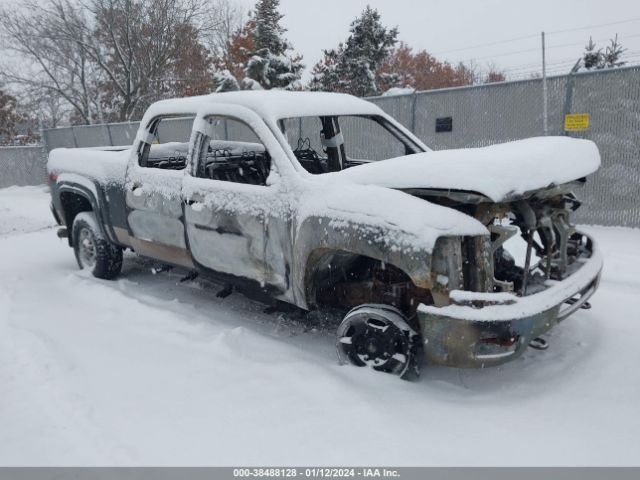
pixel 333 143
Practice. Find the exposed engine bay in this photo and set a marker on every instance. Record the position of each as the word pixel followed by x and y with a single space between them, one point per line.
pixel 540 220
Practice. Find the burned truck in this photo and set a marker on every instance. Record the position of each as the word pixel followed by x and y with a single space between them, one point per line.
pixel 457 257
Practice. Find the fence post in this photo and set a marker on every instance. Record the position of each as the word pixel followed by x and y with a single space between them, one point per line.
pixel 545 127
pixel 75 140
pixel 44 149
pixel 413 111
pixel 109 134
pixel 568 98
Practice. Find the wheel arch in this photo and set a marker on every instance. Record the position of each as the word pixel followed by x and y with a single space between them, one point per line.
pixel 318 238
pixel 347 275
pixel 75 198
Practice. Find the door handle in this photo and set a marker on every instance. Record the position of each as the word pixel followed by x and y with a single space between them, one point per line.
pixel 192 200
pixel 194 203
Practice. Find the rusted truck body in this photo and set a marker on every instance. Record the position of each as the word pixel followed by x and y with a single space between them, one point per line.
pixel 360 216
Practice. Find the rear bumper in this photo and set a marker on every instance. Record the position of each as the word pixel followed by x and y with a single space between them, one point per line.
pixel 479 336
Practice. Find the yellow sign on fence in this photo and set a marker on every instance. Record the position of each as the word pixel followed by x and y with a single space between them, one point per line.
pixel 576 122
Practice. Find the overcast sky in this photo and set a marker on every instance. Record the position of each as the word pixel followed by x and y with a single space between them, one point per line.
pixel 446 28
pixel 440 26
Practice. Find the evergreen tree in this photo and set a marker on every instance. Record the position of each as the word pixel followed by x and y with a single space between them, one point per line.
pixel 324 75
pixel 268 32
pixel 273 64
pixel 366 48
pixel 354 66
pixel 612 54
pixel 225 81
pixel 592 58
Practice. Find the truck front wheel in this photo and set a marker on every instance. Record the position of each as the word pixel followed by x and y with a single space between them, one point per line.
pixel 379 336
pixel 93 251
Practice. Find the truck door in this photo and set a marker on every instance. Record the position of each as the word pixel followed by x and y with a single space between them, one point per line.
pixel 235 217
pixel 153 190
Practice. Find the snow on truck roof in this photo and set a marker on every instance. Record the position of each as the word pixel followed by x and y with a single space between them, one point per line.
pixel 273 104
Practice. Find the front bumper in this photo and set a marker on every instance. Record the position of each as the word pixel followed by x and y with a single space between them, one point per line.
pixel 472 335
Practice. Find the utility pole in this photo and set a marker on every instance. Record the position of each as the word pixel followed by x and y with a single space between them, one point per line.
pixel 545 127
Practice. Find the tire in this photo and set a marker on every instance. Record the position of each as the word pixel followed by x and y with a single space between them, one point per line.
pixel 93 251
pixel 379 336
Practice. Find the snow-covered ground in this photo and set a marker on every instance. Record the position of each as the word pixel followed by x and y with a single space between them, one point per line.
pixel 148 370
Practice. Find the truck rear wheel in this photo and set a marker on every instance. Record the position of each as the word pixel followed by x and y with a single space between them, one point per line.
pixel 93 251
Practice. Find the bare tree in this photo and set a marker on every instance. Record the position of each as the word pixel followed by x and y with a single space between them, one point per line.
pixel 48 38
pixel 493 74
pixel 220 23
pixel 108 58
pixel 137 44
pixel 46 110
pixel 422 71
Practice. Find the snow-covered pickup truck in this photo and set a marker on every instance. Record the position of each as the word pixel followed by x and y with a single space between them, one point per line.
pixel 326 202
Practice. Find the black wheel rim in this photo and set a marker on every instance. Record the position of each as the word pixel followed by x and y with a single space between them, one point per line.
pixel 375 342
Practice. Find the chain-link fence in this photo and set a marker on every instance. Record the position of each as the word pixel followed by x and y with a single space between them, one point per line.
pixel 473 117
pixel 108 134
pixel 22 166
pixel 496 113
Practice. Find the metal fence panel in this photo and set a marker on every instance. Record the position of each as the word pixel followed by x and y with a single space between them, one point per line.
pixel 497 113
pixel 59 138
pixel 91 135
pixel 175 129
pixel 22 166
pixel 400 108
pixel 123 133
pixel 612 195
pixel 239 132
pixel 310 128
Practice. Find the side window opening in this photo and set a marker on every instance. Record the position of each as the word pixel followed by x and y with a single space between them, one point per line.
pixel 167 146
pixel 232 152
pixel 333 143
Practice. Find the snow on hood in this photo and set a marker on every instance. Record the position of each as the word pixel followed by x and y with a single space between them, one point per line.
pixel 499 172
